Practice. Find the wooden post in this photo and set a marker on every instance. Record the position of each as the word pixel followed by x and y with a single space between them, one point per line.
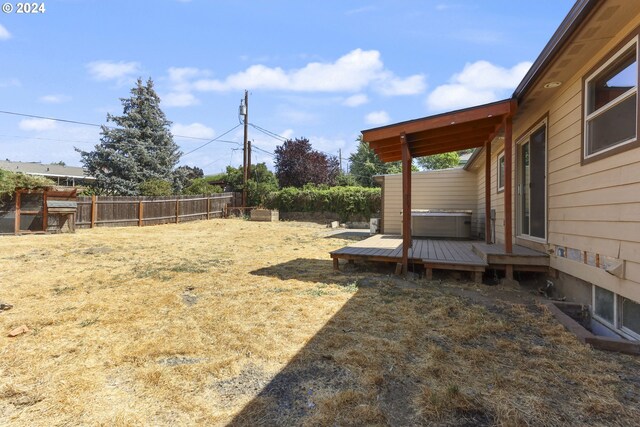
pixel 45 212
pixel 406 201
pixel 94 210
pixel 140 213
pixel 177 210
pixel 487 192
pixel 17 218
pixel 209 207
pixel 508 187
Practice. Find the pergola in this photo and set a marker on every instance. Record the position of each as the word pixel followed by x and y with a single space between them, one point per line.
pixel 453 131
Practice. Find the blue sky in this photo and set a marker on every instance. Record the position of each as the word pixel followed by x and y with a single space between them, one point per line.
pixel 322 70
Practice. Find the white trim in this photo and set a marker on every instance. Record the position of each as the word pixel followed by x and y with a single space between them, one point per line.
pixel 616 327
pixel 615 102
pixel 500 156
pixel 524 139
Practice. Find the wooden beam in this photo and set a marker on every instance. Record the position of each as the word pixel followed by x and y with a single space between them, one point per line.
pixel 443 145
pixel 487 191
pixel 427 151
pixel 406 202
pixel 508 185
pixel 500 108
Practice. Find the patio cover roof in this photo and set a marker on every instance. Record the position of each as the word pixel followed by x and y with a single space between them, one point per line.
pixel 442 133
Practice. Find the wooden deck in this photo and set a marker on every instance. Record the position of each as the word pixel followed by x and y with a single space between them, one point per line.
pixel 460 255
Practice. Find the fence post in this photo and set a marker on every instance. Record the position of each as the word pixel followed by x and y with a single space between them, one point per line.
pixel 94 210
pixel 140 213
pixel 177 210
pixel 208 207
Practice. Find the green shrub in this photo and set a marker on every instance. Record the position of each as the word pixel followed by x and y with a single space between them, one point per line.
pixel 347 202
pixel 156 187
pixel 201 186
pixel 9 181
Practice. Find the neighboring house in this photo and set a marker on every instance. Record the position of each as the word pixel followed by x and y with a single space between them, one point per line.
pixel 563 157
pixel 61 175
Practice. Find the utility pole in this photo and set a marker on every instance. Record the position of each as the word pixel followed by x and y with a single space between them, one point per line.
pixel 245 174
pixel 340 159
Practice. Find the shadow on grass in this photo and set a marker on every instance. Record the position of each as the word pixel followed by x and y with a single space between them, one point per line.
pixel 395 355
pixel 320 270
pixel 305 269
pixel 355 235
pixel 344 375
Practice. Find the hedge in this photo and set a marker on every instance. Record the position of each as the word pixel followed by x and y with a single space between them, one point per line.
pixel 347 202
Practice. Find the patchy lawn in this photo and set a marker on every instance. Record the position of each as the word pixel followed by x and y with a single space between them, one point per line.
pixel 228 321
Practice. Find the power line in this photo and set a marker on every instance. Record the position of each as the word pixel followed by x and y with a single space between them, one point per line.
pixel 33 116
pixel 214 139
pixel 268 132
pixel 46 139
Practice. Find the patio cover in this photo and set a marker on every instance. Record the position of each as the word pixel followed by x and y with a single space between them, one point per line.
pixel 453 131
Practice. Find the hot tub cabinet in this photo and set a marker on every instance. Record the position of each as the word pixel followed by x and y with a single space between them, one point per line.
pixel 448 224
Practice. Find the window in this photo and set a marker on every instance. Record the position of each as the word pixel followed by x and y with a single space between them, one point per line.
pixel 618 313
pixel 603 305
pixel 501 172
pixel 611 103
pixel 630 316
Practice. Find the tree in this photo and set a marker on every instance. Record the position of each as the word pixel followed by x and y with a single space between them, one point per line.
pixel 439 161
pixel 201 186
pixel 262 182
pixel 183 177
pixel 297 163
pixel 155 187
pixel 137 149
pixel 365 163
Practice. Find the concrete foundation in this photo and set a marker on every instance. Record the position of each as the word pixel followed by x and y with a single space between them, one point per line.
pixel 574 289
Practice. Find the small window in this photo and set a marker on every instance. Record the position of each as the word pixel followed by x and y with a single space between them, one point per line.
pixel 603 305
pixel 501 172
pixel 611 103
pixel 630 317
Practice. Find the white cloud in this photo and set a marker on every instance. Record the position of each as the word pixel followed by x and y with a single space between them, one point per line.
pixel 37 125
pixel 54 99
pixel 356 100
pixel 111 70
pixel 195 130
pixel 4 33
pixel 179 99
pixel 352 72
pixel 478 83
pixel 180 94
pixel 377 118
pixel 395 86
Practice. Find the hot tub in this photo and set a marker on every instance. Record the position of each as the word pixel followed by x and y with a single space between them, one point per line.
pixel 453 224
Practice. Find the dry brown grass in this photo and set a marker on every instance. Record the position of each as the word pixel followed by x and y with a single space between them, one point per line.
pixel 228 321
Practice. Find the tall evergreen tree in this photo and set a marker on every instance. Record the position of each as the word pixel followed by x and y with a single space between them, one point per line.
pixel 137 149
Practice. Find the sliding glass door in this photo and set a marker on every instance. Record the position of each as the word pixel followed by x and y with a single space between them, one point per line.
pixel 532 185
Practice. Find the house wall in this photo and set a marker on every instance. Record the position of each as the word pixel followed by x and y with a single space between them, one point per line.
pixel 592 209
pixel 444 189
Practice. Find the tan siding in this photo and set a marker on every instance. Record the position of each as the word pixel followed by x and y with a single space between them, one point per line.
pixel 595 207
pixel 446 189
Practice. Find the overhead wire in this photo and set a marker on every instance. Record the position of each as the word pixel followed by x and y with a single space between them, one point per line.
pixel 76 122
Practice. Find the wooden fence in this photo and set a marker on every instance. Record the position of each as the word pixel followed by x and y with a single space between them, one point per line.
pixel 125 211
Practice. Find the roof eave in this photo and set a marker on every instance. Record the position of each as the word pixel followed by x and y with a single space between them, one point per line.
pixel 574 19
